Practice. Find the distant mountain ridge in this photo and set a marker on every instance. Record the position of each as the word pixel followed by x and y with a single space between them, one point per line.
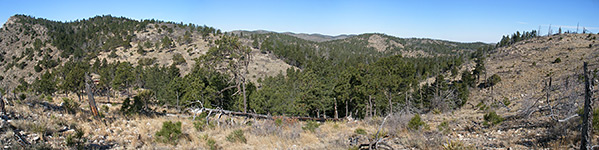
pixel 315 37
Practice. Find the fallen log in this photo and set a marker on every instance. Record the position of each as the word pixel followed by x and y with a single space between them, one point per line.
pixel 261 116
pixel 210 111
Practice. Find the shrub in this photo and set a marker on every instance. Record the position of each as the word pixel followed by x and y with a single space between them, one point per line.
pixel 211 144
pixel 443 127
pixel 360 131
pixel 113 54
pixel 278 122
pixel 128 108
pixel 105 108
pixel 70 105
pixel 22 96
pixel 455 145
pixel 76 140
pixel 37 68
pixel 506 101
pixel 49 99
pixel 311 126
pixel 178 59
pixel 492 118
pixel 202 126
pixel 493 80
pixel 557 60
pixel 146 61
pixel 237 136
pixel 169 133
pixel 416 122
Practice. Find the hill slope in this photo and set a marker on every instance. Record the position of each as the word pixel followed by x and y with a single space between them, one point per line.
pixel 525 69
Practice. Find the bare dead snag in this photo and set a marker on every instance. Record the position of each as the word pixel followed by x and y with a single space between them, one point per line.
pixel 254 115
pixel 90 95
pixel 585 142
pixel 2 111
pixel 377 142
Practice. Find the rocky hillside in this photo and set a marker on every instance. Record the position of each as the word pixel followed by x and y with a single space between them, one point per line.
pixel 404 93
pixel 27 43
pixel 521 97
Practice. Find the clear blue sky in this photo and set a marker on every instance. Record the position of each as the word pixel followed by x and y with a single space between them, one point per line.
pixel 465 21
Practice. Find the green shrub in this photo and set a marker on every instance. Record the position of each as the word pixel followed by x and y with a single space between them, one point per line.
pixel 128 108
pixel 113 54
pixel 76 140
pixel 22 96
pixel 416 122
pixel 506 101
pixel 105 108
pixel 211 144
pixel 70 105
pixel 443 127
pixel 37 68
pixel 595 120
pixel 492 118
pixel 169 133
pixel 278 122
pixel 360 131
pixel 202 126
pixel 237 136
pixel 49 99
pixel 311 126
pixel 493 80
pixel 178 59
pixel 557 60
pixel 456 145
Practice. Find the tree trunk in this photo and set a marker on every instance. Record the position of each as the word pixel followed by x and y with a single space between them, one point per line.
pixel 390 103
pixel 317 113
pixel 177 92
pixel 245 106
pixel 78 95
pixel 2 104
pixel 370 105
pixel 92 102
pixel 108 95
pixel 336 113
pixel 346 108
pixel 585 142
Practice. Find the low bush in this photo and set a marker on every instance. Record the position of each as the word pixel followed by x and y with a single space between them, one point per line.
pixel 360 131
pixel 311 126
pixel 237 136
pixel 278 122
pixel 491 118
pixel 443 127
pixel 169 133
pixel 76 140
pixel 201 125
pixel 416 122
pixel 557 60
pixel 211 144
pixel 178 59
pixel 69 105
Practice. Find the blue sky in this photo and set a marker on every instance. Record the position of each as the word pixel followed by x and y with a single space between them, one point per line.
pixel 464 21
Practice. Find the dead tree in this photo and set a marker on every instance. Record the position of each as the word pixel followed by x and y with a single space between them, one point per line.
pixel 90 95
pixel 201 109
pixel 585 142
pixel 377 142
pixel 336 112
pixel 2 111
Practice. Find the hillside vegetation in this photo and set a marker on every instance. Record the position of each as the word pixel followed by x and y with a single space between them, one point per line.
pixel 150 77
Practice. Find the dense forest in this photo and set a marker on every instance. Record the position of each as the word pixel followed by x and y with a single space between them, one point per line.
pixel 332 79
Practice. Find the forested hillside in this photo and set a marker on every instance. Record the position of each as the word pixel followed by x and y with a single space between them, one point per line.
pixel 113 82
pixel 362 75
